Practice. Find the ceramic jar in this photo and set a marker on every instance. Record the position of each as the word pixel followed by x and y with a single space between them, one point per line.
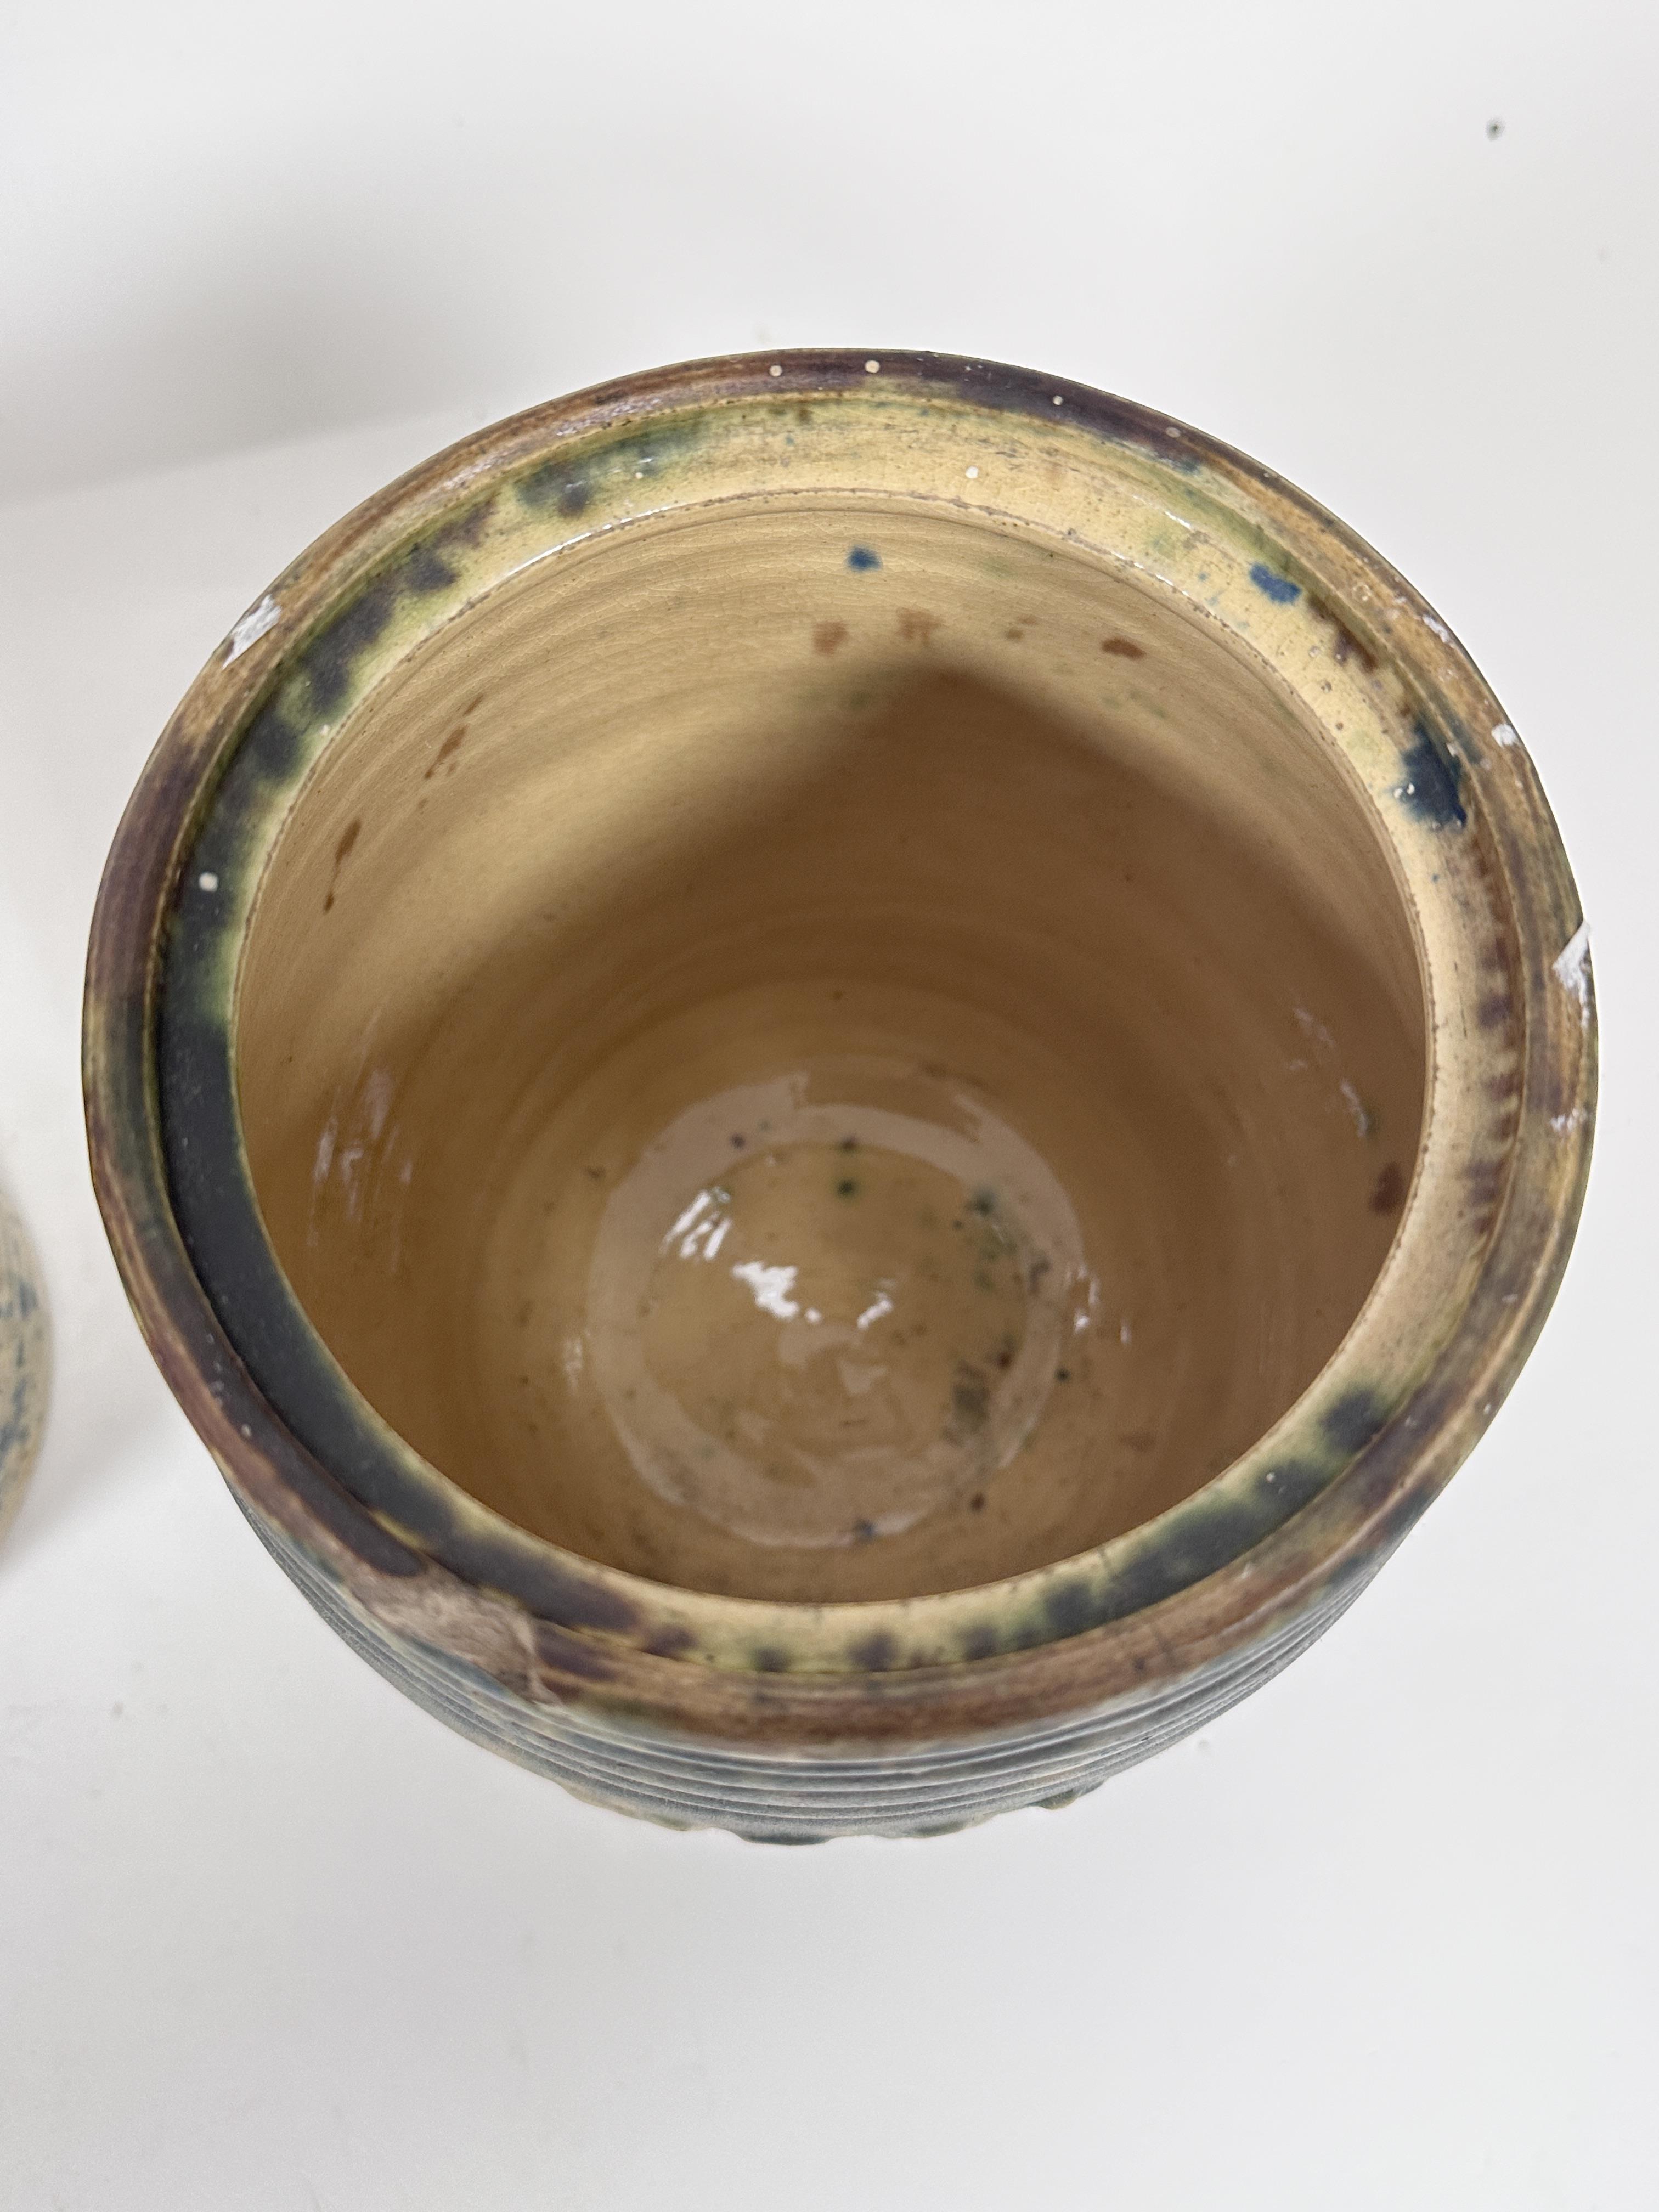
pixel 835 1082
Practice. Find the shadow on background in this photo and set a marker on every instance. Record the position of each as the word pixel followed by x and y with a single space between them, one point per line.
pixel 318 321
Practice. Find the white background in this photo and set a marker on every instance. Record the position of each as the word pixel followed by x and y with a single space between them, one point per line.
pixel 1384 1937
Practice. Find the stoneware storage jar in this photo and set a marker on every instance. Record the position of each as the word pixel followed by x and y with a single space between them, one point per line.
pixel 835 1082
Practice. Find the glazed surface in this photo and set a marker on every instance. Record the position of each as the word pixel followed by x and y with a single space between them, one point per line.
pixel 25 1361
pixel 824 1054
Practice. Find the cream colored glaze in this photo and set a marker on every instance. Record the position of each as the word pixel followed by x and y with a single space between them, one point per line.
pixel 994 883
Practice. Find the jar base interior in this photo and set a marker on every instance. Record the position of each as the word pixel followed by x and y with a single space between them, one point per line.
pixel 826 1053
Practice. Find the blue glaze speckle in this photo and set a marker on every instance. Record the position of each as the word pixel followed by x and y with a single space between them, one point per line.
pixel 864 557
pixel 1431 776
pixel 24 1358
pixel 1277 587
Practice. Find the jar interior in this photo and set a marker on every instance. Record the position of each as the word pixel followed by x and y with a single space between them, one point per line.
pixel 822 1049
